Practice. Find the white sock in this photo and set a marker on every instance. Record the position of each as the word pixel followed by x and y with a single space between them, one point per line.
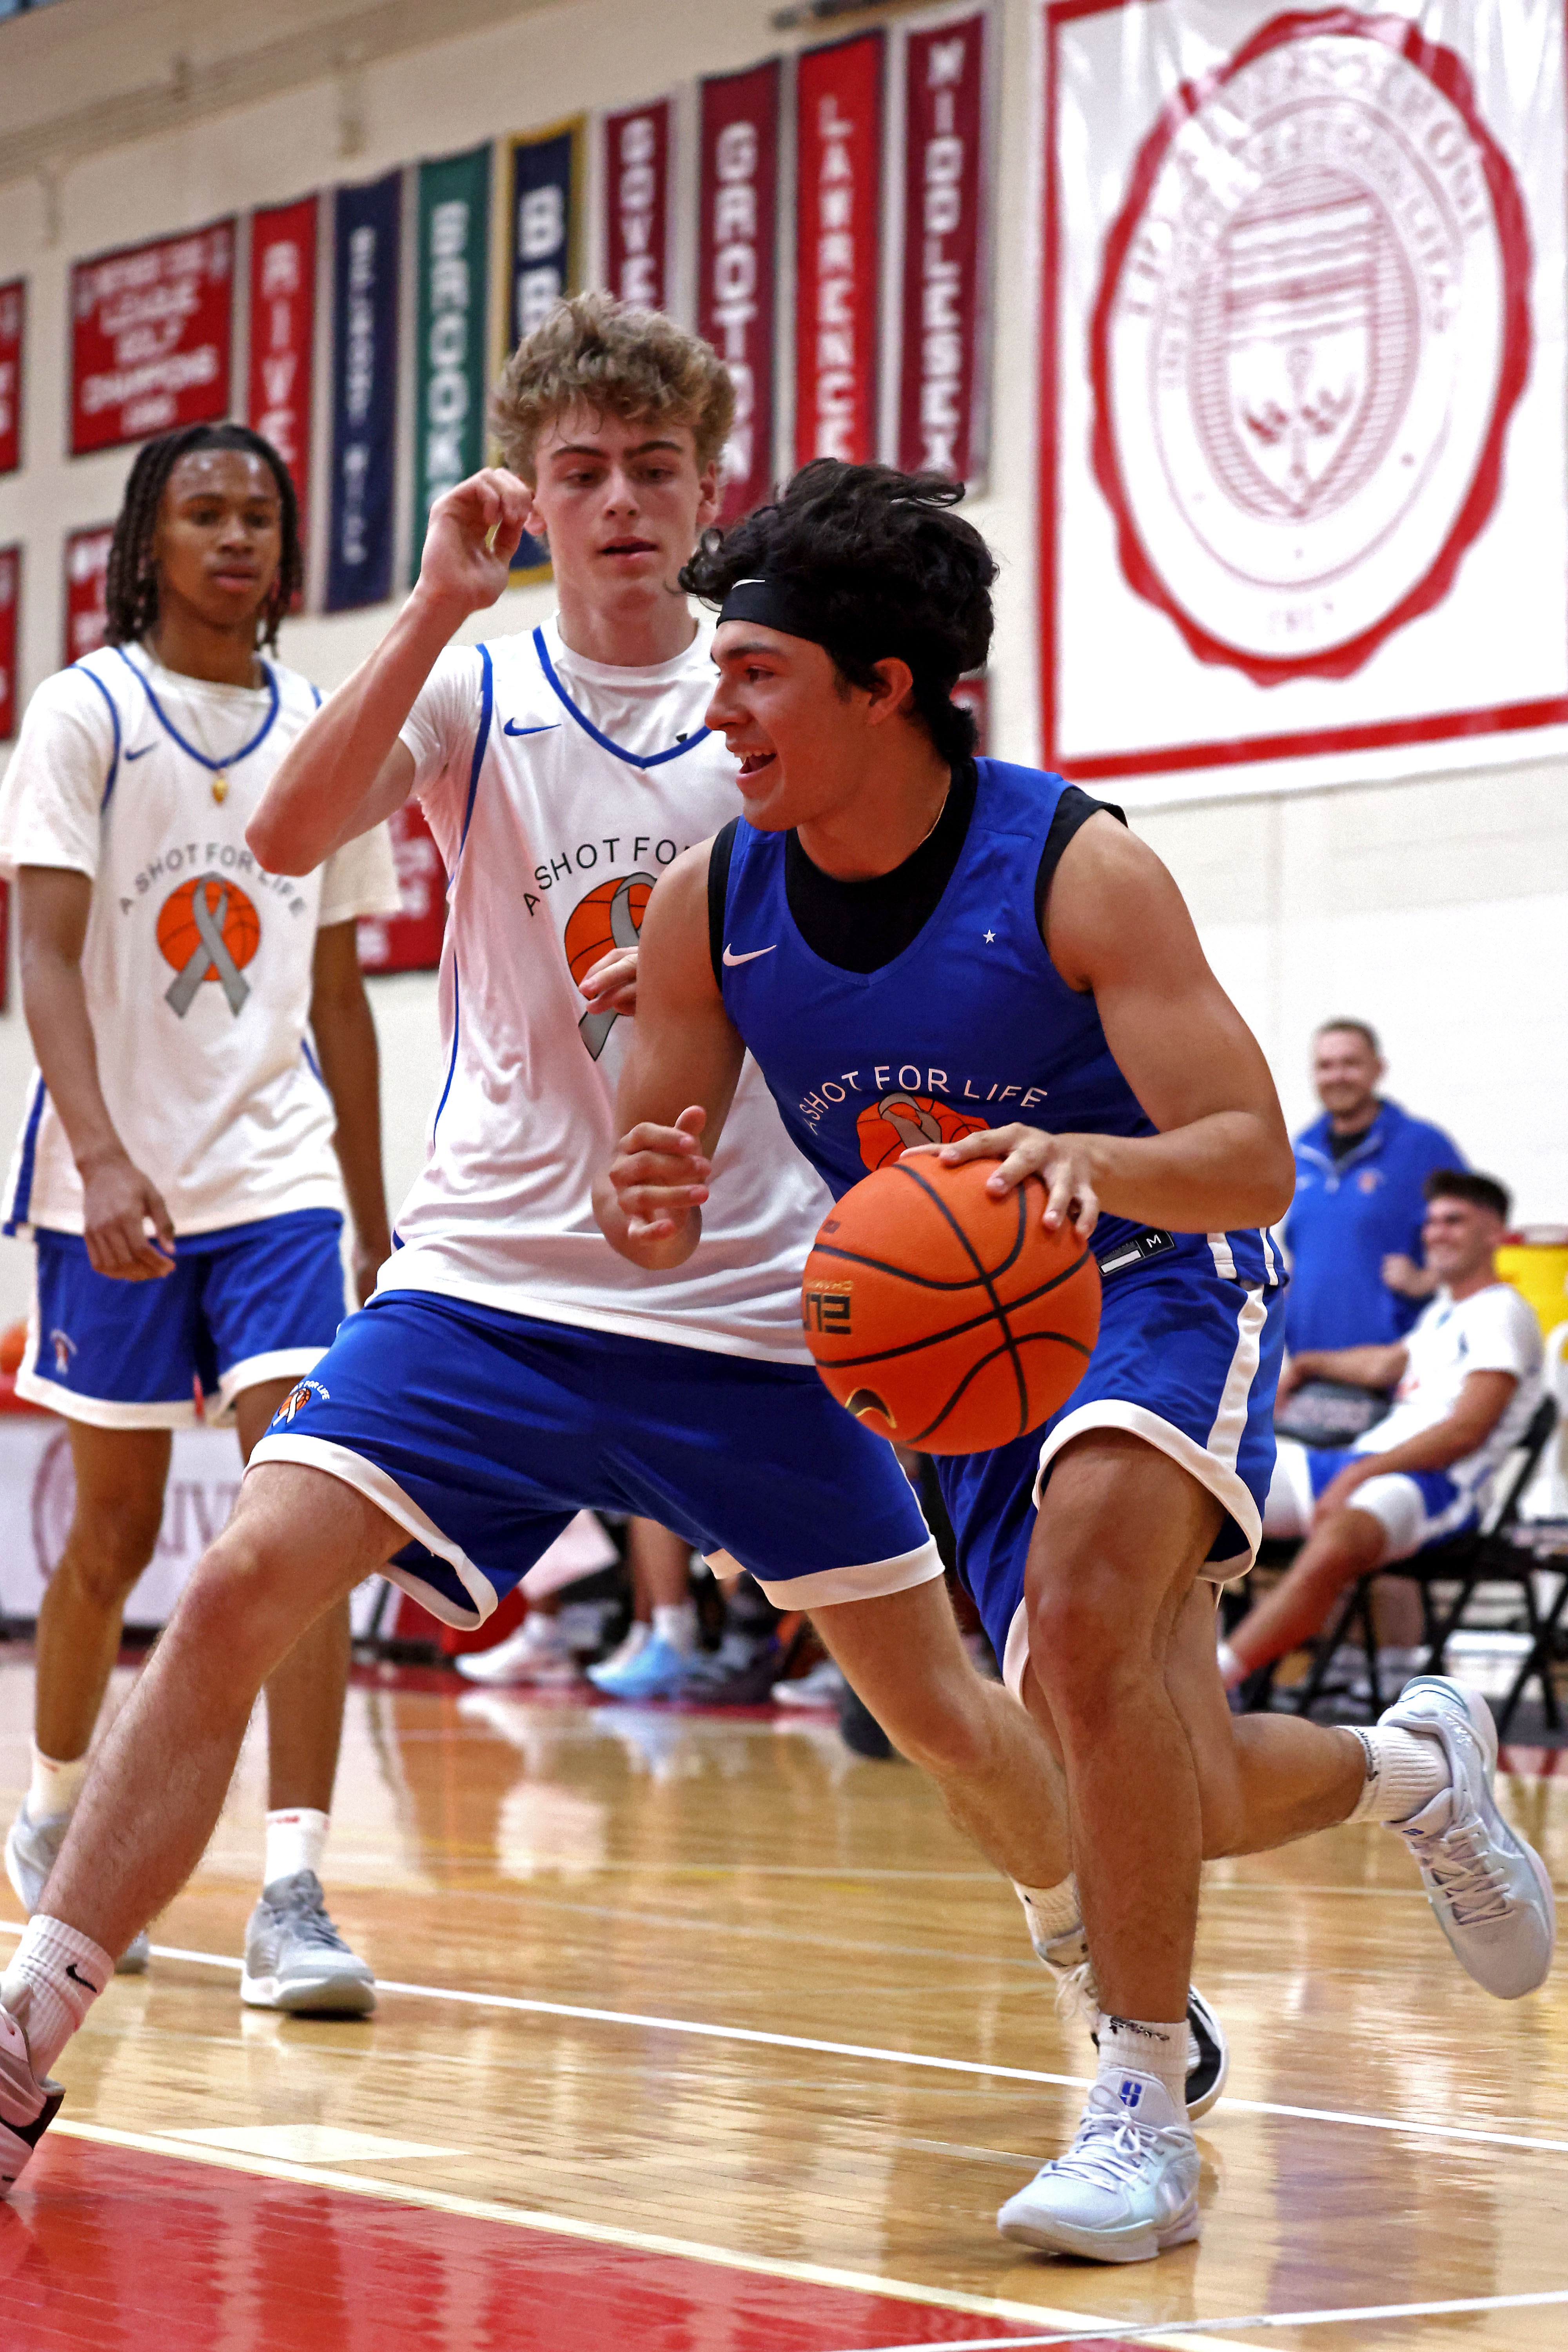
pixel 54 1787
pixel 1405 1771
pixel 296 1840
pixel 1129 2046
pixel 1052 1912
pixel 56 1975
pixel 675 1622
pixel 1231 1670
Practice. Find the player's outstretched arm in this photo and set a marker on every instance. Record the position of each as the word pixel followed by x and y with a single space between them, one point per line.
pixel 1117 928
pixel 678 1081
pixel 347 770
pixel 118 1202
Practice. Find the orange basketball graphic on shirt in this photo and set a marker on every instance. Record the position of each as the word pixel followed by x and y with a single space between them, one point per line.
pixel 610 917
pixel 226 925
pixel 887 1127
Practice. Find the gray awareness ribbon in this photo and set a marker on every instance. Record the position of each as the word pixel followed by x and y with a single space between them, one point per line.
pixel 181 992
pixel 594 1027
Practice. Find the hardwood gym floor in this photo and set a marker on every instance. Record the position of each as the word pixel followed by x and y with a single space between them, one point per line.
pixel 696 2032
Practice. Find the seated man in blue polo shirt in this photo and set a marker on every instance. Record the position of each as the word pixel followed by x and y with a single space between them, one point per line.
pixel 1469 1378
pixel 1354 1228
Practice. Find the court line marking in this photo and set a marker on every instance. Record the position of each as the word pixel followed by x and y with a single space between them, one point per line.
pixel 882 2057
pixel 755 2035
pixel 1134 2334
pixel 607 2233
pixel 898 2057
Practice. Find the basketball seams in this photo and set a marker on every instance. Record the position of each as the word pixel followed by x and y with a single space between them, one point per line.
pixel 953 1330
pixel 929 1281
pixel 996 1307
pixel 1063 1339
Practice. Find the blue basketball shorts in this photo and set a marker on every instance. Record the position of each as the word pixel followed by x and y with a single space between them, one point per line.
pixel 1188 1361
pixel 1415 1508
pixel 482 1433
pixel 252 1303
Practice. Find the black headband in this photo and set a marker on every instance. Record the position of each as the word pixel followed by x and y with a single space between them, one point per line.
pixel 775 603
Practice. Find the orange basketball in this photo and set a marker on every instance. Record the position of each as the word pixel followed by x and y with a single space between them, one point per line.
pixel 239 927
pixel 610 917
pixel 943 1317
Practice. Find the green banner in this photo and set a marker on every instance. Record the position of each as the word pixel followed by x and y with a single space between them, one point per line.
pixel 450 346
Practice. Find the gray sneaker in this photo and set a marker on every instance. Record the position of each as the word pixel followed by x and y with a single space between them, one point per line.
pixel 295 1958
pixel 1487 1885
pixel 31 1848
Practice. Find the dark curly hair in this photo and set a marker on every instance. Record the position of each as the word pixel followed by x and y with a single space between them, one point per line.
pixel 130 595
pixel 887 567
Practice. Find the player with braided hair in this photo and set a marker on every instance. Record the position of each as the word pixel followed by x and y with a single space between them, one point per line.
pixel 130 591
pixel 202 1041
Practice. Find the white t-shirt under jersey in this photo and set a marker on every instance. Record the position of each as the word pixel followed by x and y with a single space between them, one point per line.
pixel 200 1011
pixel 587 784
pixel 1493 1331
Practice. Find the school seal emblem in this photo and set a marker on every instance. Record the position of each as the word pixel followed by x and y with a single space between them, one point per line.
pixel 1310 330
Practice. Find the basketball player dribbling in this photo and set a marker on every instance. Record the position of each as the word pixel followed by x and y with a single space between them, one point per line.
pixel 892 913
pixel 204 1042
pixel 511 1367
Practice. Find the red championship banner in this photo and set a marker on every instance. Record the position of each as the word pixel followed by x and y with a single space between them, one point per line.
pixel 943 313
pixel 10 611
pixel 637 205
pixel 150 330
pixel 737 247
pixel 13 319
pixel 838 212
pixel 86 570
pixel 410 941
pixel 282 335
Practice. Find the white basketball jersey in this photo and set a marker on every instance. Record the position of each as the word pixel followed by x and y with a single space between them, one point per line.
pixel 198 965
pixel 559 790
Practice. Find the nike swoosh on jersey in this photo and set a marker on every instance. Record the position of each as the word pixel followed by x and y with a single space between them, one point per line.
pixel 141 754
pixel 511 727
pixel 732 959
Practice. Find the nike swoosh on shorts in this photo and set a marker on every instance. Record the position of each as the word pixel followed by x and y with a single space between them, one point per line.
pixel 511 727
pixel 751 955
pixel 141 754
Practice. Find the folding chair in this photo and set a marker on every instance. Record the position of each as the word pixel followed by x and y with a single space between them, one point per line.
pixel 1482 1555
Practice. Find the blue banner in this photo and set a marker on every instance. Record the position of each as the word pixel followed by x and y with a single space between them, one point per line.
pixel 543 259
pixel 366 223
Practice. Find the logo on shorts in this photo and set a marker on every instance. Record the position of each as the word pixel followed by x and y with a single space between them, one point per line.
pixel 64 1346
pixel 297 1398
pixel 1313 328
pixel 208 930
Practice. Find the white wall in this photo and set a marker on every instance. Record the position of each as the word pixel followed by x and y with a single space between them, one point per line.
pixel 1434 906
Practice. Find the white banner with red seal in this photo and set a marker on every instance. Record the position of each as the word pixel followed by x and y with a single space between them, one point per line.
pixel 1303 491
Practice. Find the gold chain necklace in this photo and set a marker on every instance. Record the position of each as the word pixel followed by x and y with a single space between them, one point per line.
pixel 217 766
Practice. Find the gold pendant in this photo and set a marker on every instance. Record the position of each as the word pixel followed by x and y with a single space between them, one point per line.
pixel 220 788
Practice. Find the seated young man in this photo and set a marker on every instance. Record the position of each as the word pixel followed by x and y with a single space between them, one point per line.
pixel 889 898
pixel 1469 1377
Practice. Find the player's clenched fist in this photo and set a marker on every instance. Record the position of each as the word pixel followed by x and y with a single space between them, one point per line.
pixel 473 534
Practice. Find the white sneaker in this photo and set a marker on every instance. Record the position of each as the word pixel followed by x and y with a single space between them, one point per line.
pixel 1489 1889
pixel 537 1654
pixel 1127 2189
pixel 32 1849
pixel 1208 2052
pixel 27 2108
pixel 295 1958
pixel 823 1687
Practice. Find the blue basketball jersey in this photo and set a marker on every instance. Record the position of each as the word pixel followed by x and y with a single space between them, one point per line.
pixel 970 1027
